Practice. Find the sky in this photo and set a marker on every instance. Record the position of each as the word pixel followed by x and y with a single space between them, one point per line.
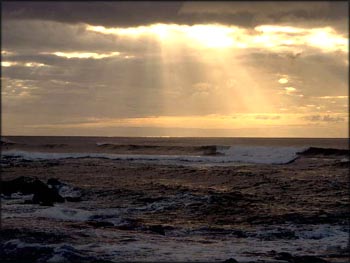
pixel 232 69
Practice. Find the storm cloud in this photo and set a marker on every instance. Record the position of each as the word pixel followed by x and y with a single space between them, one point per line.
pixel 88 62
pixel 126 14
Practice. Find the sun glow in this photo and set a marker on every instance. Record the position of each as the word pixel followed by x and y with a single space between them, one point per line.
pixel 327 39
pixel 283 80
pixel 211 36
pixel 216 48
pixel 278 29
pixel 8 63
pixel 274 38
pixel 83 55
pixel 212 121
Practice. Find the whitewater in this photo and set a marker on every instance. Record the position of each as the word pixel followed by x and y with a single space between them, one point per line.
pixel 225 155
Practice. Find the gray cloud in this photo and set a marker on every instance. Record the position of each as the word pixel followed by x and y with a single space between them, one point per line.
pixel 310 73
pixel 139 13
pixel 27 36
pixel 74 90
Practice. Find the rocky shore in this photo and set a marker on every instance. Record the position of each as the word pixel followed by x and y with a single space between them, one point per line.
pixel 87 209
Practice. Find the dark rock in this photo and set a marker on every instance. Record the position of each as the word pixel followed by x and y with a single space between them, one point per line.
pixel 42 203
pixel 281 234
pixel 299 259
pixel 100 224
pixel 73 199
pixel 28 185
pixel 284 256
pixel 25 185
pixel 47 196
pixel 69 193
pixel 53 181
pixel 159 229
pixel 12 252
pixel 230 260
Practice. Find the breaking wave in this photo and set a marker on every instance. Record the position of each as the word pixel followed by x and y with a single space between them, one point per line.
pixel 222 155
pixel 325 151
pixel 205 150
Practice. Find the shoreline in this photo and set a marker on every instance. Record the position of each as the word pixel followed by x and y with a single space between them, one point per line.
pixel 191 213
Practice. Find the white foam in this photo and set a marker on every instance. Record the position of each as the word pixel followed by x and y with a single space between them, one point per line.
pixel 56 258
pixel 63 213
pixel 231 155
pixel 21 196
pixel 65 191
pixel 101 143
pixel 261 154
pixel 324 231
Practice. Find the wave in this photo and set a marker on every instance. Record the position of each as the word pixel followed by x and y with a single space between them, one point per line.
pixel 324 151
pixel 261 154
pixel 206 150
pixel 223 155
pixel 6 142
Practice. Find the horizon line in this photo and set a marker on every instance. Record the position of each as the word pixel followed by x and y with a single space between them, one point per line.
pixel 166 136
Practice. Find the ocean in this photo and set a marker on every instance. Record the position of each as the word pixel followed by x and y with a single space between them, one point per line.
pixel 118 199
pixel 205 151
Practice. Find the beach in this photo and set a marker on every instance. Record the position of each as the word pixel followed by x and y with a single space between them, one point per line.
pixel 177 199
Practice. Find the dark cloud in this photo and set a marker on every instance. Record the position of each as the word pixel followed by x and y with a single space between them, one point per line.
pixel 110 87
pixel 139 13
pixel 157 80
pixel 27 36
pixel 105 13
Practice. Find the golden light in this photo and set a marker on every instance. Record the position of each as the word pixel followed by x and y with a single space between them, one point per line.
pixel 265 41
pixel 202 122
pixel 212 36
pixel 8 64
pixel 217 52
pixel 6 53
pixel 327 39
pixel 278 29
pixel 34 64
pixel 83 55
pixel 290 89
pixel 333 97
pixel 274 38
pixel 283 80
pixel 279 38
